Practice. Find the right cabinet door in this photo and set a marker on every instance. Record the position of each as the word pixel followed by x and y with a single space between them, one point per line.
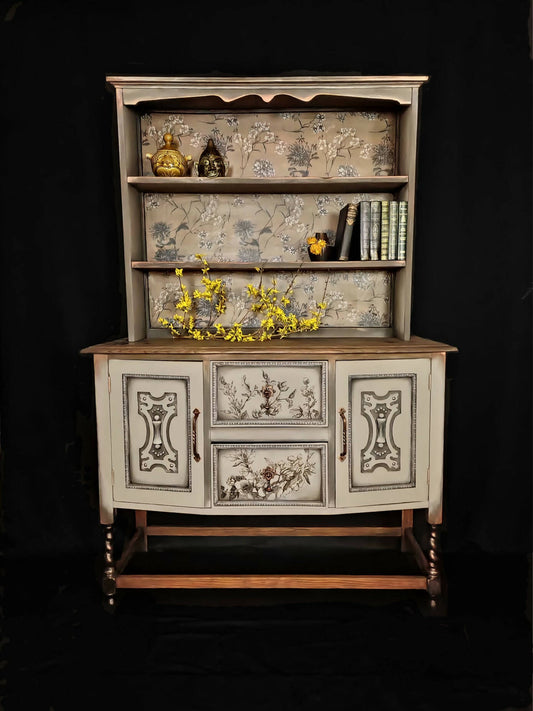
pixel 382 433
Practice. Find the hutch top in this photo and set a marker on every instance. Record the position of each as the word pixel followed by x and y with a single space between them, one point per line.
pixel 297 150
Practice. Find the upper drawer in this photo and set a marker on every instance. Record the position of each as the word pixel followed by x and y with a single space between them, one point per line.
pixel 266 393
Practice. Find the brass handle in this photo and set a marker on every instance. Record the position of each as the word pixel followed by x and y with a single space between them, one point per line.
pixel 195 454
pixel 342 413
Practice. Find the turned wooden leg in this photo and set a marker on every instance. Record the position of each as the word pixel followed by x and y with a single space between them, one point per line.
pixel 109 585
pixel 433 576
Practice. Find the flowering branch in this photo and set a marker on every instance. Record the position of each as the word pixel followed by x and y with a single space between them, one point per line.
pixel 274 311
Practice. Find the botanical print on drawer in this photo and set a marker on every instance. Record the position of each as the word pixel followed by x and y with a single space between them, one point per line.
pixel 284 144
pixel 355 298
pixel 243 228
pixel 269 474
pixel 269 393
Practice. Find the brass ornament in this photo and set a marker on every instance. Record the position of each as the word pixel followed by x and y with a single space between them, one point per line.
pixel 211 164
pixel 168 161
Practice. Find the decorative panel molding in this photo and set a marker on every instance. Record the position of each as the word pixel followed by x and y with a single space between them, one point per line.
pixel 382 431
pixel 157 449
pixel 269 474
pixel 156 426
pixel 259 393
pixel 380 412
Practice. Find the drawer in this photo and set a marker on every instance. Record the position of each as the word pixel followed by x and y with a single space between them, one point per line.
pixel 266 393
pixel 269 474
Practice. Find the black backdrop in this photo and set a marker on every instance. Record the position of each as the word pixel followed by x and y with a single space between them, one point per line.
pixel 62 282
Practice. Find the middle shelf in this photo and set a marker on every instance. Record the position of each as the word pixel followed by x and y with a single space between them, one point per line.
pixel 188 184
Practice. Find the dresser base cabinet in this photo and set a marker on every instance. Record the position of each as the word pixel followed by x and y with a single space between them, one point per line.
pixel 312 428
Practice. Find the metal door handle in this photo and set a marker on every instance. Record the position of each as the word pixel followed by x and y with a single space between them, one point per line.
pixel 195 454
pixel 342 413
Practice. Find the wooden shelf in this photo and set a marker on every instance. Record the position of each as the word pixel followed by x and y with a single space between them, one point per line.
pixel 153 184
pixel 268 266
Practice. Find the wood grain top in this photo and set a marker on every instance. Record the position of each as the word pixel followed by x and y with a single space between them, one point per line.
pixel 290 347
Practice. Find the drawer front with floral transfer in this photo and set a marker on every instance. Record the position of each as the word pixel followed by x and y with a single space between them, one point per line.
pixel 269 474
pixel 263 393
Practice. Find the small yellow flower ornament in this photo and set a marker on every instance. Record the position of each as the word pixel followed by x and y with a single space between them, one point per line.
pixel 316 245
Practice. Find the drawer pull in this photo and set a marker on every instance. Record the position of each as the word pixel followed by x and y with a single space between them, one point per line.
pixel 342 413
pixel 195 454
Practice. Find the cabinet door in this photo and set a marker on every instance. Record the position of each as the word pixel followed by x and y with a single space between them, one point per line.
pixel 383 416
pixel 155 432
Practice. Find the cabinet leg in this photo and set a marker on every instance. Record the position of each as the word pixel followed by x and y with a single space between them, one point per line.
pixel 407 523
pixel 109 585
pixel 433 576
pixel 141 521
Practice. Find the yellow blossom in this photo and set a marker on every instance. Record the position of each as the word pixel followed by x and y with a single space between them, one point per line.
pixel 276 321
pixel 316 246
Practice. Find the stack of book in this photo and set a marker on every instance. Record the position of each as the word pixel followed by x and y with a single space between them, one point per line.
pixel 372 230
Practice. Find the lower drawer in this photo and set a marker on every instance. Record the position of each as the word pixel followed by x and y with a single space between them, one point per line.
pixel 269 474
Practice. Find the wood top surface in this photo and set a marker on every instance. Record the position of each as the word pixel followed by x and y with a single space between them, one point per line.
pixel 291 347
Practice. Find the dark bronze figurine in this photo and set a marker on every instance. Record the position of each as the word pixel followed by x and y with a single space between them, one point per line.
pixel 211 164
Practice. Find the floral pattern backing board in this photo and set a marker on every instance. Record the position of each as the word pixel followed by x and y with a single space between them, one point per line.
pixel 244 228
pixel 355 298
pixel 269 474
pixel 284 144
pixel 269 393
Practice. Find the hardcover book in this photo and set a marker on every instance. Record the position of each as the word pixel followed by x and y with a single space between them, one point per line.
pixel 375 228
pixel 345 229
pixel 384 251
pixel 364 231
pixel 393 229
pixel 402 228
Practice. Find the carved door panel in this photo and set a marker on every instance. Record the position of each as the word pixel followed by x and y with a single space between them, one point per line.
pixel 156 436
pixel 383 418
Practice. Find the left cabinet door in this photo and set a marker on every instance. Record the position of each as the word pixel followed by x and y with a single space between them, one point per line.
pixel 156 436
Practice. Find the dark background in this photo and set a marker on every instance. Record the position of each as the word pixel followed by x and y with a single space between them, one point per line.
pixel 62 290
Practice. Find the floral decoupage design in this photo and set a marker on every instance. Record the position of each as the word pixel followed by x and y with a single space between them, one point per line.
pixel 262 393
pixel 284 144
pixel 244 228
pixel 269 475
pixel 354 298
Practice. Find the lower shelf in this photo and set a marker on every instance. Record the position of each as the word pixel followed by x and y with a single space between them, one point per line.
pixel 320 581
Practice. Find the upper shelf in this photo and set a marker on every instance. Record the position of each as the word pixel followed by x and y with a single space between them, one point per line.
pixel 381 183
pixel 270 266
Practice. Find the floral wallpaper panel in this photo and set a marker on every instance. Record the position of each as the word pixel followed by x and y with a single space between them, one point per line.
pixel 284 144
pixel 355 298
pixel 243 228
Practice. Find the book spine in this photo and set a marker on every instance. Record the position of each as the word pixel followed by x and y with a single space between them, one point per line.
pixel 402 228
pixel 364 237
pixel 384 251
pixel 393 229
pixel 375 228
pixel 351 214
